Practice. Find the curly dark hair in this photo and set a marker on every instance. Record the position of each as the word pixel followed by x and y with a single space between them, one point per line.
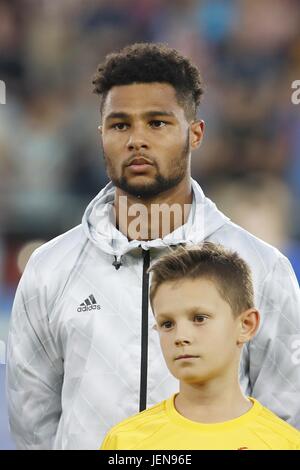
pixel 148 63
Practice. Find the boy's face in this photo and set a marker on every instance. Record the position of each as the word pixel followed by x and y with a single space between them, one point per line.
pixel 146 138
pixel 199 334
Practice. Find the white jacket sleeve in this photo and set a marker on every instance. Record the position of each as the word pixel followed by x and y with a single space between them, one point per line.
pixel 34 369
pixel 274 354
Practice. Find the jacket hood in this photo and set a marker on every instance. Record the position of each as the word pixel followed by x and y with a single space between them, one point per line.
pixel 98 224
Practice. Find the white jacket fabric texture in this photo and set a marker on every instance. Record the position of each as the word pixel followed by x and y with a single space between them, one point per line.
pixel 82 353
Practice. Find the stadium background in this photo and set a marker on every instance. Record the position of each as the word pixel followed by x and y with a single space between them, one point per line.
pixel 50 159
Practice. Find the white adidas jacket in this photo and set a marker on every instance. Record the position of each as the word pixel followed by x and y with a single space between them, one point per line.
pixel 82 353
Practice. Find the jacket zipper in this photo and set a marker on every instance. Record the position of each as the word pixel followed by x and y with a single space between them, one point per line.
pixel 144 332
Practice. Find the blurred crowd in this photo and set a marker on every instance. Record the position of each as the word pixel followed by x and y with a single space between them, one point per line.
pixel 248 52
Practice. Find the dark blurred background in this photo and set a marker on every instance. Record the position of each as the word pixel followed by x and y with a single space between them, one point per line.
pixel 51 165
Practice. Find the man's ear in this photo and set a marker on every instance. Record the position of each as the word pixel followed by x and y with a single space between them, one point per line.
pixel 248 325
pixel 196 133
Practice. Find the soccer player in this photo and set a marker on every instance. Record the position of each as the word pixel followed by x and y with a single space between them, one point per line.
pixel 203 303
pixel 81 354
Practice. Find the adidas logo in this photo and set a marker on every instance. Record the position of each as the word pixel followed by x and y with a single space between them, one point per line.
pixel 89 304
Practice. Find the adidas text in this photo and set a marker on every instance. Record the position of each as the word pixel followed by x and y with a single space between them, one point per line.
pixel 90 307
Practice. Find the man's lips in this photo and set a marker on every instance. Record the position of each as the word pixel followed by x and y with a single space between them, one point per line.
pixel 186 356
pixel 139 165
pixel 139 161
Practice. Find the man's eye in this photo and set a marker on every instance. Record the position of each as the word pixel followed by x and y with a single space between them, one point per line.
pixel 120 126
pixel 157 123
pixel 200 318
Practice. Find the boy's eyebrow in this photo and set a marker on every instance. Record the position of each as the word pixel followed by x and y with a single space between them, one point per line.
pixel 199 311
pixel 162 316
pixel 122 115
pixel 190 311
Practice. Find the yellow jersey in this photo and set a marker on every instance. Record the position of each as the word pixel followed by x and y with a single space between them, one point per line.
pixel 162 427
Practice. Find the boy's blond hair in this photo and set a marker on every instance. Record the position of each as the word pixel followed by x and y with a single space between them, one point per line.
pixel 230 273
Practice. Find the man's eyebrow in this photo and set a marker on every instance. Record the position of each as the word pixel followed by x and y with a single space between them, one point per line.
pixel 117 115
pixel 122 115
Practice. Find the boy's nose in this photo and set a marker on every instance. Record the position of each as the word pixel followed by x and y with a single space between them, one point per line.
pixel 182 342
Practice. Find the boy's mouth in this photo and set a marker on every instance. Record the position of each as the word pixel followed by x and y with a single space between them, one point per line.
pixel 186 356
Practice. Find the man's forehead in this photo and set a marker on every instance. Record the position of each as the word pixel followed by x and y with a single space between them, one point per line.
pixel 141 97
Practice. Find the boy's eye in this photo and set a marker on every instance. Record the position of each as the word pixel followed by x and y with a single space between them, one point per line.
pixel 200 318
pixel 166 325
pixel 157 123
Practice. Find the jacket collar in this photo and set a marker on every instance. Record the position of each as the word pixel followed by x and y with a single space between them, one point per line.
pixel 98 224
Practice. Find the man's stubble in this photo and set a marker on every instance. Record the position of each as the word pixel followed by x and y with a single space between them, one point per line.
pixel 176 170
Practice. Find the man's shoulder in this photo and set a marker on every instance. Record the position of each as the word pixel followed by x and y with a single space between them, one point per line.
pixel 60 249
pixel 259 254
pixel 51 264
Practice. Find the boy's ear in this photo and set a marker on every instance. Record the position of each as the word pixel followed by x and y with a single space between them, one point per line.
pixel 248 325
pixel 155 326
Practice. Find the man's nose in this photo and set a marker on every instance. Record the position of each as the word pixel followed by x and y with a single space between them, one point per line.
pixel 137 141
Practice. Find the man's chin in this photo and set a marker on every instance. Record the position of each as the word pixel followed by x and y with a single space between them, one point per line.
pixel 141 190
pixel 145 187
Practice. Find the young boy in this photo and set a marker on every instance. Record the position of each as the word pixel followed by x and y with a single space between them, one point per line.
pixel 202 299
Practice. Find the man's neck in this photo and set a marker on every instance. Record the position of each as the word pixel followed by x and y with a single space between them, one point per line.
pixel 214 402
pixel 148 219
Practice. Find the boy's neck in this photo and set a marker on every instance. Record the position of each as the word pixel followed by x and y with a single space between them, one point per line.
pixel 212 402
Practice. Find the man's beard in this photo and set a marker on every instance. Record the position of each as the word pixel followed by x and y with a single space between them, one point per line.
pixel 160 184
